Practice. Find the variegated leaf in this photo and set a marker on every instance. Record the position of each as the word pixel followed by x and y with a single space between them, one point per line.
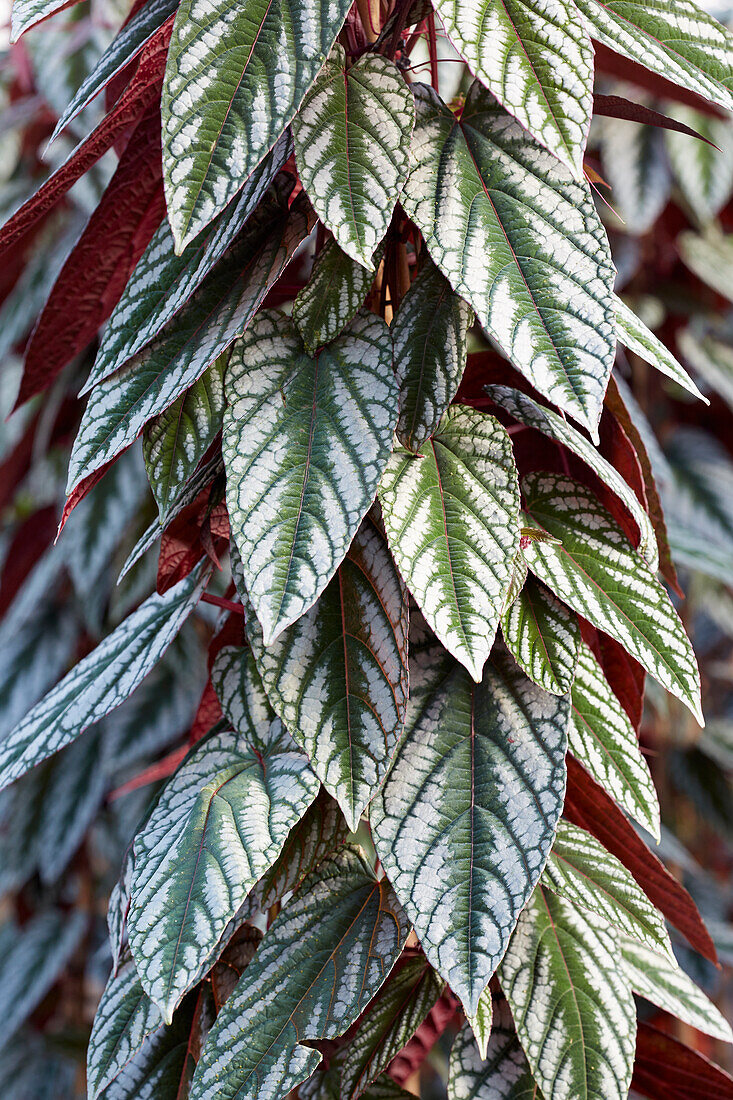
pixel 305 442
pixel 332 296
pixel 338 676
pixel 635 165
pixel 176 440
pixel 598 574
pixel 236 76
pixel 102 680
pixel 537 59
pixel 659 979
pixel 544 420
pixel 217 827
pixel 163 282
pixel 582 871
pixel 352 136
pixel 712 357
pixel 502 1074
pixel 704 174
pixel 520 571
pixel 394 1016
pixel 430 343
pixel 602 738
pixel 124 1019
pixel 543 637
pixel 451 516
pixel 320 963
pixel 26 13
pixel 634 334
pixel 121 405
pixel 709 255
pixel 520 240
pixel 674 38
pixel 466 819
pixel 572 1006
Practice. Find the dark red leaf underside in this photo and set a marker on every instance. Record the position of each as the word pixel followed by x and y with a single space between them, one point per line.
pixel 615 106
pixel 95 274
pixel 412 1056
pixel 195 532
pixel 623 68
pixel 665 1069
pixel 588 805
pixel 80 491
pixel 30 541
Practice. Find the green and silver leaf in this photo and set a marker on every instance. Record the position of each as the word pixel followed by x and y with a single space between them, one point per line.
pixel 338 676
pixel 332 297
pixel 635 165
pixel 537 59
pixel 451 513
pixel 543 637
pixel 520 239
pixel 318 967
pixel 430 335
pixel 124 1019
pixel 704 174
pixel 236 76
pixel 467 817
pixel 501 1073
pixel 634 335
pixel 305 442
pixel 218 825
pixel 598 574
pixel 352 136
pixel 711 354
pixel 709 255
pixel 602 738
pixel 572 1005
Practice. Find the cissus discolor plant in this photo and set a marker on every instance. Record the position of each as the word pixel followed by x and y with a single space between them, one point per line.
pixel 361 346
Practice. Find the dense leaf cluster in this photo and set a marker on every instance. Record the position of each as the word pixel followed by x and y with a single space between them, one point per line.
pixel 355 354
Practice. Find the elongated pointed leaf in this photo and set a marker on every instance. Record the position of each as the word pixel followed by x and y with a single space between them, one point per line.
pixel 176 440
pixel 236 77
pixel 572 1006
pixel 430 342
pixel 597 573
pixel 666 1069
pixel 503 1074
pixel 704 173
pixel 124 1019
pixel 162 282
pixel 537 60
pixel 26 13
pixel 338 676
pixel 581 870
pixel 467 817
pixel 101 681
pixel 675 38
pixel 305 442
pixel 332 296
pixel 451 516
pixel 317 968
pixel 662 981
pixel 120 406
pixel 634 334
pixel 544 420
pixel 520 240
pixel 542 636
pixel 602 738
pixel 219 824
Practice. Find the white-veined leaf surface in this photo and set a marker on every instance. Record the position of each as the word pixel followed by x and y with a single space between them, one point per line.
pixel 704 174
pixel 634 334
pixel 537 59
pixel 121 405
pixel 305 442
pixel 26 13
pixel 674 38
pixel 217 827
pixel 709 255
pixel 581 870
pixel 467 817
pixel 338 676
pixel 332 296
pixel 236 76
pixel 503 1074
pixel 662 981
pixel 451 516
pixel 520 240
pixel 319 965
pixel 597 573
pixel 602 738
pixel 572 1005
pixel 634 163
pixel 352 136
pixel 711 356
pixel 544 420
pixel 542 636
pixel 102 680
pixel 163 282
pixel 430 344
pixel 124 1019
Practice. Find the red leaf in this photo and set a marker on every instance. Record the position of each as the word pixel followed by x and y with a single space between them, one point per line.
pixel 80 491
pixel 207 715
pixel 193 533
pixel 615 106
pixel 142 92
pixel 625 69
pixel 411 1057
pixel 665 1069
pixel 152 774
pixel 588 805
pixel 95 274
pixel 33 536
